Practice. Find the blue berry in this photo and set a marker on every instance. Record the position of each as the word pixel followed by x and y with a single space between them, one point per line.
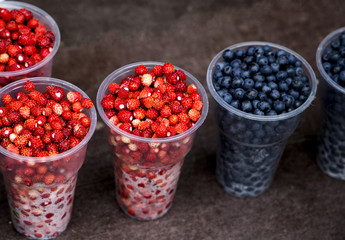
pixel 271 78
pixel 252 94
pixel 255 103
pixel 278 106
pixel 258 77
pixel 327 66
pixel 281 75
pixel 292 59
pixel 283 60
pixel 239 53
pixel 272 85
pixel 298 63
pixel 228 55
pixel 299 71
pixel 250 51
pixel 217 74
pixel 245 74
pixel 235 103
pixel 236 72
pixel 266 89
pixel 236 63
pixel 266 48
pixel 266 70
pixel 217 86
pixel 239 93
pixel 275 67
pixel 264 106
pixel 246 106
pixel 294 93
pixel 288 100
pixel 335 44
pixel 254 68
pixel 248 59
pixel 262 61
pixel 283 86
pixel 259 51
pixel 262 96
pixel 227 97
pixel 281 53
pixel 220 65
pixel 342 76
pixel 275 94
pixel 237 82
pixel 227 70
pixel 259 112
pixel 226 82
pixel 248 84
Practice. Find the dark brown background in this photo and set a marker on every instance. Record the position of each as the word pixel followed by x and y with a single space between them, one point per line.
pixel 101 36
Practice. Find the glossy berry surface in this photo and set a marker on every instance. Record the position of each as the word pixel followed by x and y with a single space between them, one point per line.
pixel 261 80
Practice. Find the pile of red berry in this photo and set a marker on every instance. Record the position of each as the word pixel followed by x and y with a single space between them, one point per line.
pixel 36 124
pixel 24 41
pixel 153 104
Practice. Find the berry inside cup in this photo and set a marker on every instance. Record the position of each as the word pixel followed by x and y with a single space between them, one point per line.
pixel 38 127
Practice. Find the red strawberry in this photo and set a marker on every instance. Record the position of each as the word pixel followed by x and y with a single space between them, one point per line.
pixel 197 105
pixel 165 112
pixel 123 92
pixel 181 74
pixel 168 68
pixel 13 50
pixel 173 119
pixel 29 86
pixel 141 69
pixel 126 127
pixel 139 113
pixel 125 116
pixel 152 113
pixel 86 103
pixel 73 96
pixel 187 102
pixel 113 88
pixel 191 88
pixel 107 103
pixel 6 98
pixel 133 104
pixel 173 78
pixel 35 142
pixel 194 114
pixel 181 127
pixel 176 107
pixel 158 70
pixel 79 131
pixel 56 93
pixel 49 178
pixel 146 79
pixel 183 117
pixel 181 86
pixel 161 131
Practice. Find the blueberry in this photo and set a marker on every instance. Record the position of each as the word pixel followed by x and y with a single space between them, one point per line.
pixel 298 63
pixel 275 67
pixel 283 86
pixel 258 77
pixel 239 93
pixel 216 86
pixel 337 69
pixel 294 93
pixel 302 97
pixel 278 106
pixel 266 48
pixel 222 93
pixel 217 74
pixel 259 112
pixel 237 82
pixel 327 66
pixel 262 96
pixel 342 76
pixel 259 51
pixel 262 61
pixel 248 59
pixel 298 103
pixel 236 63
pixel 281 53
pixel 239 53
pixel 292 59
pixel 236 72
pixel 281 75
pixel 266 70
pixel 258 85
pixel 271 113
pixel 227 97
pixel 299 71
pixel 254 68
pixel 255 103
pixel 283 60
pixel 290 70
pixel 271 78
pixel 288 81
pixel 228 55
pixel 235 103
pixel 288 100
pixel 264 106
pixel 252 94
pixel 248 84
pixel 227 70
pixel 246 106
pixel 221 65
pixel 245 74
pixel 297 83
pixel 275 94
pixel 335 44
pixel 226 82
pixel 250 51
pixel 272 85
pixel 271 59
pixel 266 89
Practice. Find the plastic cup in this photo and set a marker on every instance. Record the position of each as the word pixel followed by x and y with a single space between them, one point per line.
pixel 40 190
pixel 250 146
pixel 44 67
pixel 147 170
pixel 331 141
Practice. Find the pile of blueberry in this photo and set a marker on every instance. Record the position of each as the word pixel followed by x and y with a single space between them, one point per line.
pixel 333 60
pixel 261 80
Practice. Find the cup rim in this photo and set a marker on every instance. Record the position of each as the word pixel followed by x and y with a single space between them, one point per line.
pixel 55 29
pixel 55 82
pixel 110 78
pixel 240 113
pixel 320 49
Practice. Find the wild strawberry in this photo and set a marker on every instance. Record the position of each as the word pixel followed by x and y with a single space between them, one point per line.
pixel 25 151
pixel 57 136
pixel 13 50
pixel 179 96
pixel 187 102
pixel 147 133
pixel 27 13
pixel 47 137
pixel 161 131
pixel 36 111
pixel 66 132
pixel 147 102
pixel 52 117
pixel 181 86
pixel 6 98
pixel 173 119
pixel 4 58
pixel 120 104
pixel 14 117
pixel 57 109
pixel 165 112
pixel 152 113
pixel 175 107
pixel 158 70
pixel 85 121
pixel 168 68
pixel 30 124
pixel 183 118
pixel 141 69
pixel 33 23
pixel 134 85
pixel 133 104
pixel 197 105
pixel 113 88
pixel 5 33
pixel 56 125
pixel 86 103
pixel 40 154
pixel 107 103
pixel 18 128
pixel 146 92
pixel 35 142
pixel 143 125
pixel 195 96
pixel 158 104
pixel 146 80
pixel 181 127
pixel 125 116
pixel 123 92
pixel 73 96
pixel 5 14
pixel 12 148
pixel 109 113
pixel 181 74
pixel 126 127
pixel 194 114
pixel 114 120
pixel 49 179
pixel 73 141
pixel 139 113
pixel 79 131
pixel 29 86
pixel 64 145
pixel 173 78
pixel 191 88
pixel 29 50
pixel 56 93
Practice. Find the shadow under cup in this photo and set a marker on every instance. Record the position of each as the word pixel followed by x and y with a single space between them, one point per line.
pixel 147 170
pixel 44 67
pixel 40 190
pixel 250 146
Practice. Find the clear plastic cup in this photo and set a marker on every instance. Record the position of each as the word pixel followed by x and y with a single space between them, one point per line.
pixel 40 190
pixel 147 170
pixel 44 67
pixel 250 146
pixel 331 141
